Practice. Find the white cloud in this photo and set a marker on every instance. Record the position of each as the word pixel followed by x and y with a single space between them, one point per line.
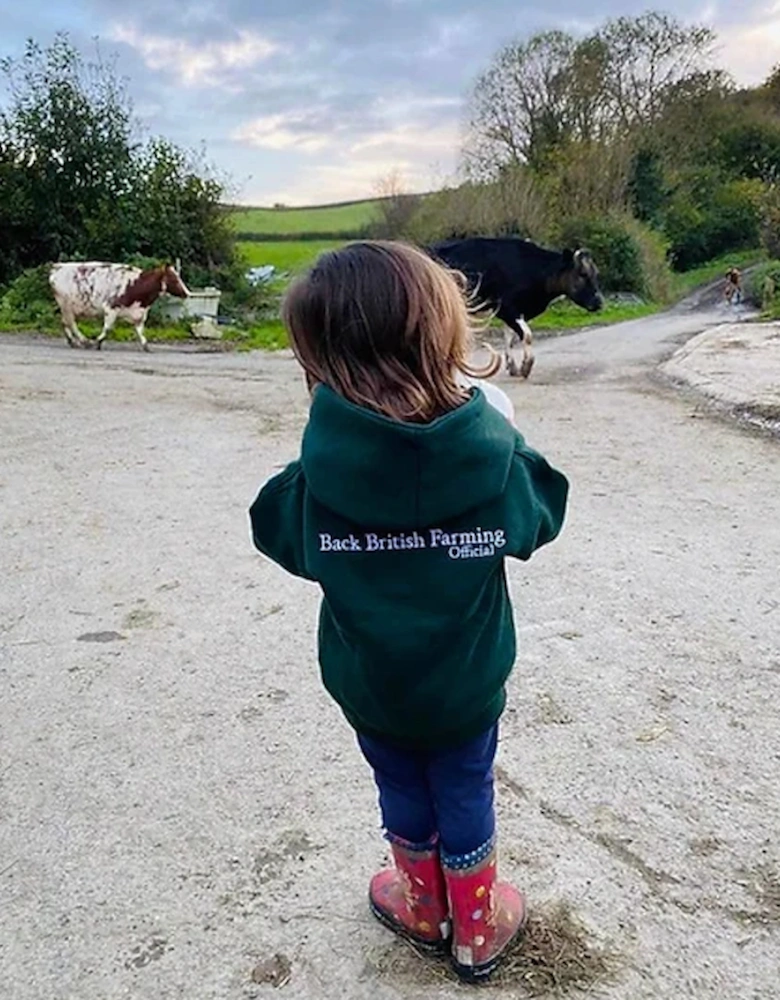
pixel 280 132
pixel 407 143
pixel 422 157
pixel 198 65
pixel 748 45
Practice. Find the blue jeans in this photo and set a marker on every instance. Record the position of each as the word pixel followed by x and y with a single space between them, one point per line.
pixel 447 794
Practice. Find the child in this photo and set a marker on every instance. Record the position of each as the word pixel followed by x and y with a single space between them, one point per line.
pixel 410 492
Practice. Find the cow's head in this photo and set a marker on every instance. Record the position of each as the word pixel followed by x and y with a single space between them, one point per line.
pixel 580 280
pixel 170 282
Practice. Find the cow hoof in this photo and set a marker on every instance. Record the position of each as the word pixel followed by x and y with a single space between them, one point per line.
pixel 525 368
pixel 146 348
pixel 98 345
pixel 512 370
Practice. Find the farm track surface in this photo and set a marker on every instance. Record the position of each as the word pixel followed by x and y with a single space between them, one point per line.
pixel 179 799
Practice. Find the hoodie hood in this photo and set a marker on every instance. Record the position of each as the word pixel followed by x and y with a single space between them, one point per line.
pixel 378 472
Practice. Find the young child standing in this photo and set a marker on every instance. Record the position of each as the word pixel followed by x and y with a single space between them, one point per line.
pixel 410 492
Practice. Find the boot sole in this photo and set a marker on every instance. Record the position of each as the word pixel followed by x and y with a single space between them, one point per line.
pixel 428 947
pixel 475 974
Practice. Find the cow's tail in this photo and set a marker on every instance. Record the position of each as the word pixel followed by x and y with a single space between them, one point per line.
pixel 488 370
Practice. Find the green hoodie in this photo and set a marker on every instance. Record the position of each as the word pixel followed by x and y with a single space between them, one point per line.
pixel 406 527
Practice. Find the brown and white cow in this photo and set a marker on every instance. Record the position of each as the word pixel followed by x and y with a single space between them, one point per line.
pixel 113 291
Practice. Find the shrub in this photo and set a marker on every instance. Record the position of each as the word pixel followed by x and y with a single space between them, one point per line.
pixel 770 221
pixel 514 205
pixel 750 149
pixel 756 290
pixel 629 256
pixel 654 253
pixel 28 302
pixel 685 228
pixel 647 187
pixel 717 221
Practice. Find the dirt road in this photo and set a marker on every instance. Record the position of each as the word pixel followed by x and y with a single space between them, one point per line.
pixel 179 799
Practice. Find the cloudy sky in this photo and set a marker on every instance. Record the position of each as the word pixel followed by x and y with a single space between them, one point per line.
pixel 311 101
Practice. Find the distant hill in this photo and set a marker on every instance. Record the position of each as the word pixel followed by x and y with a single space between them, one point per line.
pixel 344 220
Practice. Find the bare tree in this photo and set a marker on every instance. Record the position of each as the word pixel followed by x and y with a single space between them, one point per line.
pixel 517 110
pixel 543 94
pixel 396 206
pixel 648 55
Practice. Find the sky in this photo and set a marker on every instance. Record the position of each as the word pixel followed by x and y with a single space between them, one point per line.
pixel 315 101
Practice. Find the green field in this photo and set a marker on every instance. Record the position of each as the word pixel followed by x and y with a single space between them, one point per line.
pixel 286 255
pixel 349 218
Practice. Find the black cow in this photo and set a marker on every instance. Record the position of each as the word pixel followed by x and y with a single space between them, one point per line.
pixel 518 280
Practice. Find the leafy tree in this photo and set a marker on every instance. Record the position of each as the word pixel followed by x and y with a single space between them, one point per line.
pixel 552 90
pixel 750 149
pixel 647 188
pixel 79 179
pixel 70 125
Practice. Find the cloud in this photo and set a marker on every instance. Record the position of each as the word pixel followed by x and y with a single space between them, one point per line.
pixel 423 156
pixel 406 144
pixel 198 64
pixel 414 135
pixel 750 45
pixel 315 100
pixel 281 132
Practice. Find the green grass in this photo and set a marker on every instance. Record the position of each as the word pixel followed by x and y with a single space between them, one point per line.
pixel 267 336
pixel 90 328
pixel 347 218
pixel 567 316
pixel 286 255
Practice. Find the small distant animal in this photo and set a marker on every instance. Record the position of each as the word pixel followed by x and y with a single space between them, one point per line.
pixel 733 290
pixel 518 280
pixel 113 291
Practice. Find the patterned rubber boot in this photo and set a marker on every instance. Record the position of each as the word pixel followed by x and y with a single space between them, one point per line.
pixel 487 915
pixel 411 899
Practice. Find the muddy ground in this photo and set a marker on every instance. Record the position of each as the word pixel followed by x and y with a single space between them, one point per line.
pixel 179 800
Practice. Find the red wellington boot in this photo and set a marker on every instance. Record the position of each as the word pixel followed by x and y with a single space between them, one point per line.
pixel 411 899
pixel 487 917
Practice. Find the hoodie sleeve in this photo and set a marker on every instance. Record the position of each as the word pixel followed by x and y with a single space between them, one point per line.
pixel 277 518
pixel 537 496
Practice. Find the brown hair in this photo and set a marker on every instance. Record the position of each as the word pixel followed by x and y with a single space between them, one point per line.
pixel 386 327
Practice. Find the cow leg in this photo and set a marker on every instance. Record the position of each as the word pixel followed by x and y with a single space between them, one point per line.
pixel 510 335
pixel 139 332
pixel 513 333
pixel 74 336
pixel 528 355
pixel 109 319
